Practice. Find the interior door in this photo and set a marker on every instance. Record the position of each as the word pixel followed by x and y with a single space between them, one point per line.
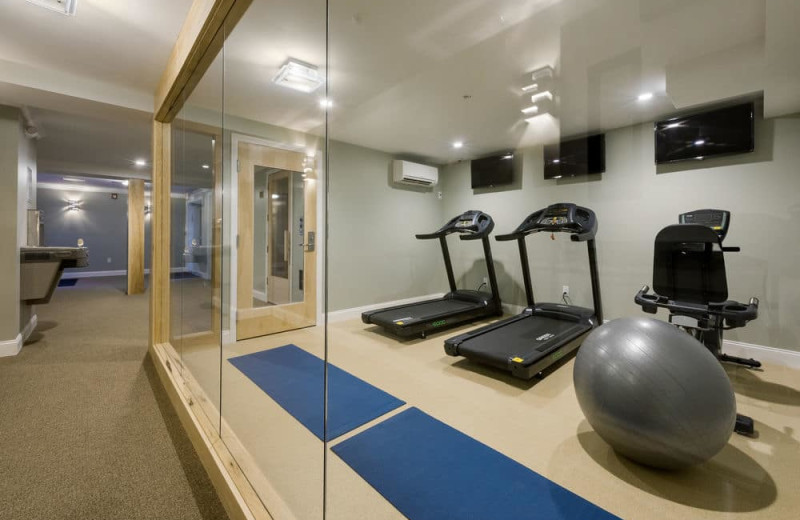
pixel 276 187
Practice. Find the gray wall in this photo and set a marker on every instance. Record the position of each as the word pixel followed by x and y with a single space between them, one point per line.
pixel 633 200
pixel 17 159
pixel 9 256
pixel 102 223
pixel 373 256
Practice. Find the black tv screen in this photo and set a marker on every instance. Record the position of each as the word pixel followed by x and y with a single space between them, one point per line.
pixel 723 131
pixel 493 171
pixel 583 156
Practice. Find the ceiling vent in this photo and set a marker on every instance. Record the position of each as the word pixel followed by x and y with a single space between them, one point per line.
pixel 66 7
pixel 406 172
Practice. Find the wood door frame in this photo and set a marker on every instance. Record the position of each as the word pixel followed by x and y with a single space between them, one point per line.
pixel 233 223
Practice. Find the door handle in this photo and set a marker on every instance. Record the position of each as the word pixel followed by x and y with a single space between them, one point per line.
pixel 309 246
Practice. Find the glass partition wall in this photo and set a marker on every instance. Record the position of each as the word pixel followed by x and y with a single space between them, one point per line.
pixel 248 252
pixel 328 135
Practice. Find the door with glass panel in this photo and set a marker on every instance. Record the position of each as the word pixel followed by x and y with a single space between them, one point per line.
pixel 276 251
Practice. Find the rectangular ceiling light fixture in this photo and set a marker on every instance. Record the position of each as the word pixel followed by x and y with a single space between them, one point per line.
pixel 300 76
pixel 66 7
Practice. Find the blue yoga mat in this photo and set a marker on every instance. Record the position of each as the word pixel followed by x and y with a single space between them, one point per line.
pixel 429 470
pixel 294 379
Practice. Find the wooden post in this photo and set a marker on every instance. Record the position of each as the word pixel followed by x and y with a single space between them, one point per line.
pixel 135 236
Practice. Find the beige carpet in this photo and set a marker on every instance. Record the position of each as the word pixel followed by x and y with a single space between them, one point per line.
pixel 86 430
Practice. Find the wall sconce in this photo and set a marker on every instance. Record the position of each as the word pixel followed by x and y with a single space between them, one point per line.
pixel 308 165
pixel 73 205
pixel 537 93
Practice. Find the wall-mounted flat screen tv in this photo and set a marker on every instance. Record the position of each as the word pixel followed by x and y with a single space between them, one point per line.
pixel 723 131
pixel 573 157
pixel 493 171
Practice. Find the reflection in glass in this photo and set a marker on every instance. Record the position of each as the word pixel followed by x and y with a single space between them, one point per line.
pixel 278 212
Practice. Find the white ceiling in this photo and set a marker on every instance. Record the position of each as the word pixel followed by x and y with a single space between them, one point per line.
pixel 399 71
pixel 87 144
pixel 88 79
pixel 116 42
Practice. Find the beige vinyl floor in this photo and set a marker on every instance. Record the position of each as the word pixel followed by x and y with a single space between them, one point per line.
pixel 537 423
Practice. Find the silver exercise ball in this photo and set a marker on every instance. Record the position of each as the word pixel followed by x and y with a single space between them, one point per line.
pixel 654 393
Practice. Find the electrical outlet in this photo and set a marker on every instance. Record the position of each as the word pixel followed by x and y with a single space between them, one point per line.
pixel 439 195
pixel 108 260
pixel 565 290
pixel 485 280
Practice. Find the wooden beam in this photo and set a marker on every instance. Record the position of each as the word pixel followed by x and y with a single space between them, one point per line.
pixel 160 233
pixel 135 236
pixel 237 495
pixel 198 43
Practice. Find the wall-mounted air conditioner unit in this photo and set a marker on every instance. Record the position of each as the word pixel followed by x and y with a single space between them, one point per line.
pixel 416 174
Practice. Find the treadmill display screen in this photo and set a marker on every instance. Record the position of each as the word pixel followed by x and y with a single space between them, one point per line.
pixel 555 216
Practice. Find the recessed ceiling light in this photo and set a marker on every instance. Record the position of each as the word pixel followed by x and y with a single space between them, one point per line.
pixel 533 109
pixel 73 179
pixel 275 196
pixel 645 96
pixel 325 103
pixel 62 6
pixel 458 144
pixel 556 161
pixel 205 166
pixel 300 76
pixel 140 162
pixel 556 176
pixel 700 142
pixel 545 94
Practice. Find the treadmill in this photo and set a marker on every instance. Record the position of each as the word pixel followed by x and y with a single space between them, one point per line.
pixel 543 333
pixel 456 307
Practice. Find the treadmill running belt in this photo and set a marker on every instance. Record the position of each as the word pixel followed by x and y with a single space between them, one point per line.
pixel 425 310
pixel 521 338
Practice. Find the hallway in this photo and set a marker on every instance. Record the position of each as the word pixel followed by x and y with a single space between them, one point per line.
pixel 87 430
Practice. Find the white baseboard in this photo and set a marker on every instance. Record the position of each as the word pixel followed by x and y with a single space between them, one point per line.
pixel 12 347
pixel 771 355
pixel 512 309
pixel 113 272
pixel 260 296
pixel 355 312
pixel 93 274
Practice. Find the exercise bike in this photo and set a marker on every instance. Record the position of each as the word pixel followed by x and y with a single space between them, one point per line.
pixel 689 280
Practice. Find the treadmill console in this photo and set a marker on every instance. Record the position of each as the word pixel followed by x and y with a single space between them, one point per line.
pixel 472 224
pixel 563 217
pixel 717 219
